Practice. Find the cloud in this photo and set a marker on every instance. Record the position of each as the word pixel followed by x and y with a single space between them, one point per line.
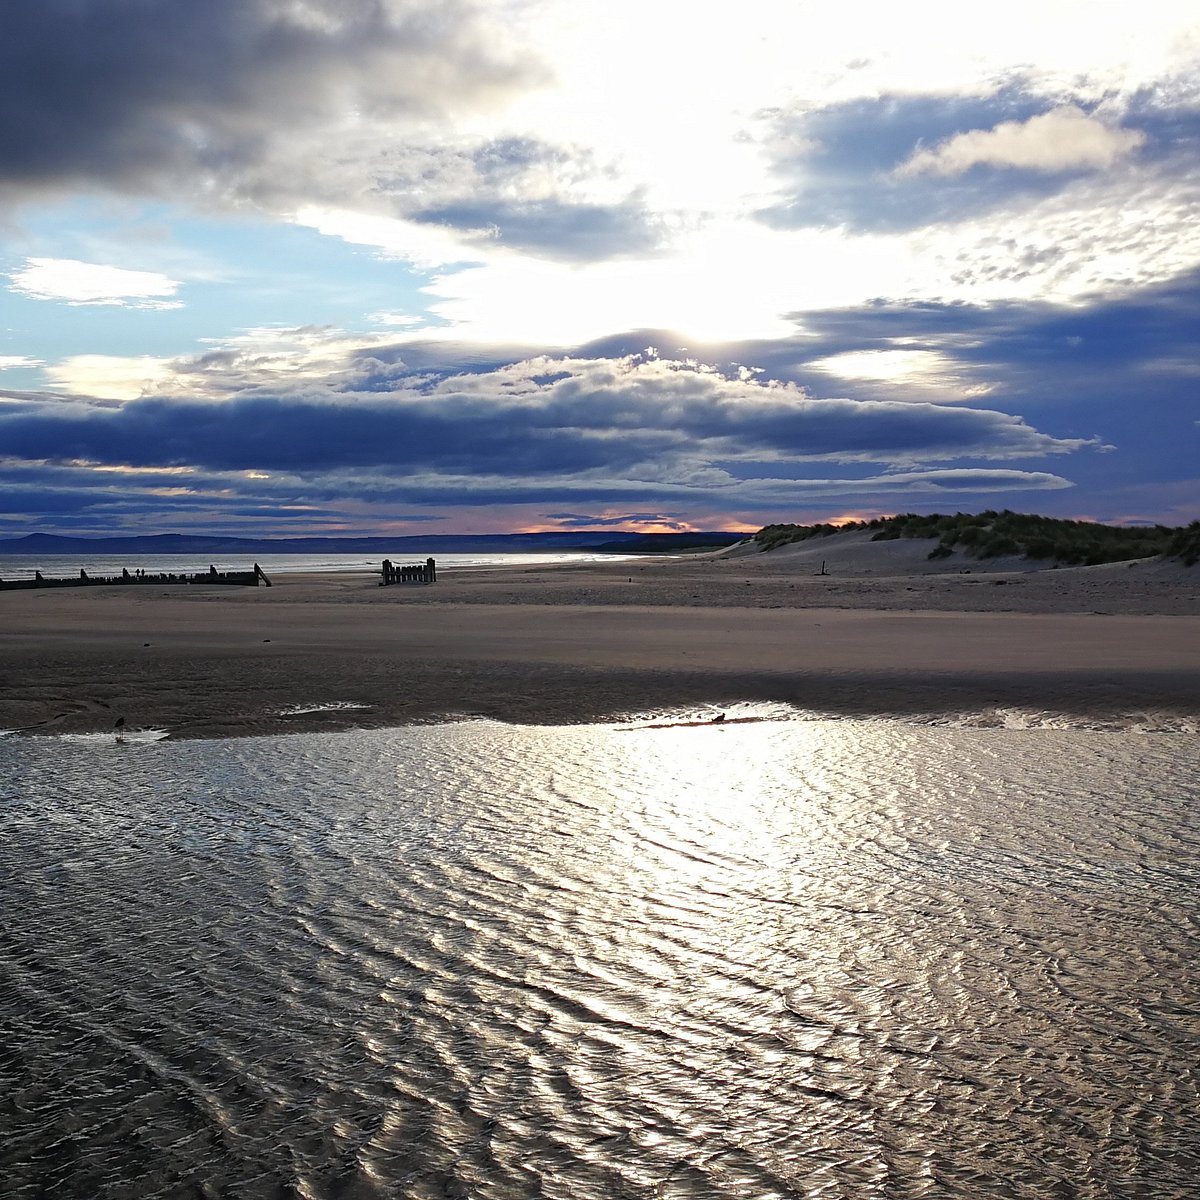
pixel 633 423
pixel 579 232
pixel 83 283
pixel 108 376
pixel 967 480
pixel 905 368
pixel 897 163
pixel 87 499
pixel 317 425
pixel 234 99
pixel 1114 366
pixel 522 194
pixel 664 522
pixel 369 107
pixel 837 163
pixel 1063 139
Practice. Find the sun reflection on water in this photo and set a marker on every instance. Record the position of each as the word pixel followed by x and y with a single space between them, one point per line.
pixel 759 959
pixel 711 795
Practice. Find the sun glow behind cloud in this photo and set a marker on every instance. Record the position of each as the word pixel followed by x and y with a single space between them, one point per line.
pixel 108 376
pixel 679 126
pixel 728 280
pixel 928 373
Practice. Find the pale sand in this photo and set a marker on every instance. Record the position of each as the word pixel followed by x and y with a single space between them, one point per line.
pixel 881 635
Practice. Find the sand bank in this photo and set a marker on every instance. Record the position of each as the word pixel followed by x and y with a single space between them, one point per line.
pixel 610 641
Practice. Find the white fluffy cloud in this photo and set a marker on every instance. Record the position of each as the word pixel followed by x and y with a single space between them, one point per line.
pixel 75 282
pixel 1064 139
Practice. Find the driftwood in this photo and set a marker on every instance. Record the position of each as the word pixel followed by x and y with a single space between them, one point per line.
pixel 212 575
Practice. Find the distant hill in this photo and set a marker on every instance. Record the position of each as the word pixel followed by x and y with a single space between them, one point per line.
pixel 506 543
pixel 997 534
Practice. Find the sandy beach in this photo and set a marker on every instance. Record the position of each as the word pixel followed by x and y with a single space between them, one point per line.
pixel 883 633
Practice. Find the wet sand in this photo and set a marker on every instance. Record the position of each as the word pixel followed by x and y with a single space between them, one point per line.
pixel 880 636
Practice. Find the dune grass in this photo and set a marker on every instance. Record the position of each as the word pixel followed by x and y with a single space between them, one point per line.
pixel 993 534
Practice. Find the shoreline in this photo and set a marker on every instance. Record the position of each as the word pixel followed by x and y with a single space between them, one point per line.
pixel 607 642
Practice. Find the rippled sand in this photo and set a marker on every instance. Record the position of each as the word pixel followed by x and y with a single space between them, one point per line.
pixel 763 960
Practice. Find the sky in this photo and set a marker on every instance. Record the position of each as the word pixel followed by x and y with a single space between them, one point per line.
pixel 305 267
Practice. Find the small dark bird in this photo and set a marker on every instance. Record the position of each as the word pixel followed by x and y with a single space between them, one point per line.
pixel 120 723
pixel 718 718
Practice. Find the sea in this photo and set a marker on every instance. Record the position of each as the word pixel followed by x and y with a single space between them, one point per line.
pixel 756 959
pixel 66 566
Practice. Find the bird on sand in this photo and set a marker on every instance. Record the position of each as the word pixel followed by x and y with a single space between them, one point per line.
pixel 120 728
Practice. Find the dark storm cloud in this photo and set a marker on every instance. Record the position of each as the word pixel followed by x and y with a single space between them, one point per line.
pixel 421 423
pixel 1105 366
pixel 596 416
pixel 842 165
pixel 252 100
pixel 105 504
pixel 1121 370
pixel 76 497
pixel 641 436
pixel 155 94
pixel 1106 363
pixel 727 492
pixel 612 424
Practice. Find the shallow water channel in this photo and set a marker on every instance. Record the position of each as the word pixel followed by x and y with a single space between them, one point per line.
pixel 819 959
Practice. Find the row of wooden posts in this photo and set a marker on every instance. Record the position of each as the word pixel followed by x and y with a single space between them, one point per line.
pixel 212 575
pixel 425 572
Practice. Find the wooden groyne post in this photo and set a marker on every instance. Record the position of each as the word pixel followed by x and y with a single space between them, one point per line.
pixel 425 572
pixel 212 575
